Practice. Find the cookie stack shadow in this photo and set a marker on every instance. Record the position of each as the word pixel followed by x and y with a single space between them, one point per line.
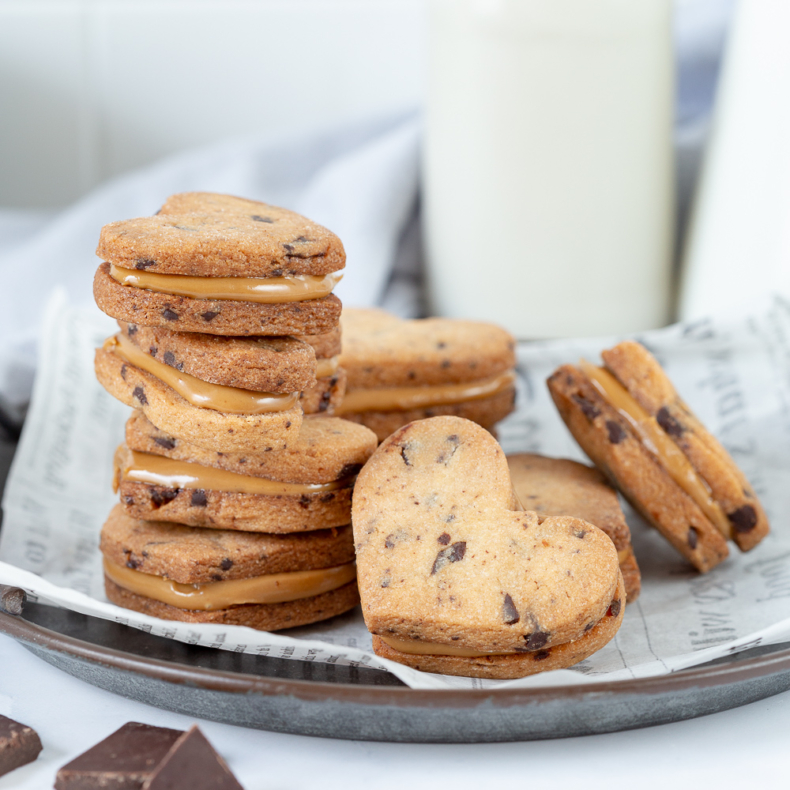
pixel 234 479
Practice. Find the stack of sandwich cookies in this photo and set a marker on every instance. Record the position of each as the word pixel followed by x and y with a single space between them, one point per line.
pixel 559 487
pixel 306 487
pixel 631 422
pixel 195 575
pixel 228 336
pixel 399 371
pixel 455 579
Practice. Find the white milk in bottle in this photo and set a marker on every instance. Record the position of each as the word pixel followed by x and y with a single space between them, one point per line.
pixel 548 164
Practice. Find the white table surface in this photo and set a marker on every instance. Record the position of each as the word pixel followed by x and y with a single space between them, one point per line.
pixel 733 749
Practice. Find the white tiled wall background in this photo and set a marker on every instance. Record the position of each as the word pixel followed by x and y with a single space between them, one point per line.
pixel 92 88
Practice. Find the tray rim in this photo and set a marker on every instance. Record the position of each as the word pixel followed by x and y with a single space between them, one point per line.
pixel 706 676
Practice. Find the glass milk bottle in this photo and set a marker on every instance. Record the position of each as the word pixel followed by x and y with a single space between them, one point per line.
pixel 548 166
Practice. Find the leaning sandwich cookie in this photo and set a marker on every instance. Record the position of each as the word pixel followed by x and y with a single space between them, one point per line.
pixel 399 371
pixel 195 575
pixel 454 578
pixel 560 487
pixel 631 422
pixel 309 487
pixel 255 270
pixel 217 416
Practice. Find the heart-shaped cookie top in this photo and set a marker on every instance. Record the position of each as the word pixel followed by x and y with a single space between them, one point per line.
pixel 382 350
pixel 444 555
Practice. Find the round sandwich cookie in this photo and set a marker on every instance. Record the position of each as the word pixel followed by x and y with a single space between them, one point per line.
pixel 164 478
pixel 400 371
pixel 268 582
pixel 228 419
pixel 631 422
pixel 560 487
pixel 198 266
pixel 454 578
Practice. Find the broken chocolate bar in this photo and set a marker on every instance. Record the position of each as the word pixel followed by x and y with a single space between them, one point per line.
pixel 19 745
pixel 192 764
pixel 123 761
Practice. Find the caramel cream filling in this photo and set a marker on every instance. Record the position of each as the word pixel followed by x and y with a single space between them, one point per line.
pixel 140 467
pixel 274 588
pixel 659 444
pixel 201 393
pixel 623 555
pixel 263 290
pixel 432 649
pixel 404 398
pixel 326 367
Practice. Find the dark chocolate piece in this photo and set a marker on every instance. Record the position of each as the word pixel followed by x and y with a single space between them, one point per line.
pixel 616 433
pixel 509 611
pixel 192 764
pixel 19 744
pixel 123 761
pixel 12 600
pixel 454 553
pixel 744 519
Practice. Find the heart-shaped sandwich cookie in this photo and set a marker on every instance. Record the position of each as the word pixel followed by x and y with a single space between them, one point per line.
pixel 454 578
pixel 399 371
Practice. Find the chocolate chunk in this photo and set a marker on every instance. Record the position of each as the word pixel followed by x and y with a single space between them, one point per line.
pixel 304 501
pixel 165 441
pixel 349 470
pixel 277 273
pixel 153 350
pixel 454 553
pixel 170 315
pixel 540 655
pixel 589 410
pixel 226 564
pixel 144 263
pixel 444 538
pixel 132 562
pixel 301 240
pixel 616 433
pixel 123 761
pixel 744 519
pixel 288 424
pixel 668 422
pixel 123 371
pixel 191 764
pixel 448 518
pixel 389 542
pixel 289 247
pixel 131 329
pixel 12 600
pixel 19 745
pixel 170 359
pixel 139 394
pixel 404 456
pixel 199 498
pixel 209 315
pixel 441 344
pixel 161 496
pixel 509 612
pixel 692 537
pixel 580 533
pixel 259 218
pixel 536 639
pixel 446 363
pixel 614 608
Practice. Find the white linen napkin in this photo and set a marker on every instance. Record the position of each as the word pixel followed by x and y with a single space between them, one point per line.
pixel 360 181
